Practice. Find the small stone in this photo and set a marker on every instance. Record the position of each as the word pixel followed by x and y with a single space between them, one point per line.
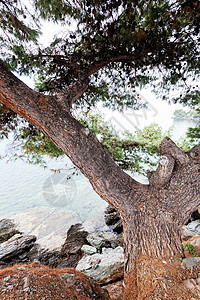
pixel 15 246
pixel 68 277
pixel 26 282
pixel 190 262
pixel 103 239
pixel 89 250
pixel 164 262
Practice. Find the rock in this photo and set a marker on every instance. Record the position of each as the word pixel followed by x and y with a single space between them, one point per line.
pixel 41 282
pixel 49 226
pixel 118 227
pixel 15 246
pixel 190 262
pixel 88 250
pixel 109 209
pixel 50 258
pixel 112 219
pixel 71 251
pixel 186 233
pixel 104 268
pixel 7 230
pixel 195 216
pixel 194 226
pixel 103 239
pixel 76 238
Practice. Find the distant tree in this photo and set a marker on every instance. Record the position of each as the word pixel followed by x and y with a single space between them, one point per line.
pixel 114 48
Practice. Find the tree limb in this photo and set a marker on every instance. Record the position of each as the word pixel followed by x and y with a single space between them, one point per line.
pixel 76 141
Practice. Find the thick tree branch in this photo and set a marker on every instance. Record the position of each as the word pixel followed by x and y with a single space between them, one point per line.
pixel 167 146
pixel 70 94
pixel 50 116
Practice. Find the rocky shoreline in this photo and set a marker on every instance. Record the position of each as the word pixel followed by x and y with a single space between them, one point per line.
pixel 97 254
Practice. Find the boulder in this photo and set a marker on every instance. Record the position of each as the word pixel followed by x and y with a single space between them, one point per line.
pixel 71 251
pixel 118 227
pixel 195 216
pixel 101 240
pixel 7 230
pixel 112 219
pixel 105 267
pixel 15 246
pixel 41 282
pixel 47 224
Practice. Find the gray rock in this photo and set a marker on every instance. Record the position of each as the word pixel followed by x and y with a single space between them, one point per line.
pixel 70 252
pixel 88 250
pixel 7 230
pixel 105 267
pixel 112 219
pixel 103 239
pixel 194 226
pixel 15 246
pixel 49 226
pixel 186 233
pixel 190 262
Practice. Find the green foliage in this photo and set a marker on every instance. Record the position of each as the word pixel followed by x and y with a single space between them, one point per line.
pixel 132 151
pixel 133 43
pixel 191 249
pixel 193 134
pixel 183 114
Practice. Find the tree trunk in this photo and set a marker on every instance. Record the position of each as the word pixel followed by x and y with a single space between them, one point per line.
pixel 152 214
pixel 149 241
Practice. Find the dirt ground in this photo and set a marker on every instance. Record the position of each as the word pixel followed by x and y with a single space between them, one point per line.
pixel 40 282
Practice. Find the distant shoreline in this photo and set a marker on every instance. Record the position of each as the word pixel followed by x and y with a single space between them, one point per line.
pixel 187 119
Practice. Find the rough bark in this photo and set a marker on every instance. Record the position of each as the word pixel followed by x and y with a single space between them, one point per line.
pixel 152 214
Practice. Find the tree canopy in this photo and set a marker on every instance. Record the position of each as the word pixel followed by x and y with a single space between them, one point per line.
pixel 114 47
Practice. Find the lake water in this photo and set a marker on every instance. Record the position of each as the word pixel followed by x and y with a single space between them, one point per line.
pixel 46 203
